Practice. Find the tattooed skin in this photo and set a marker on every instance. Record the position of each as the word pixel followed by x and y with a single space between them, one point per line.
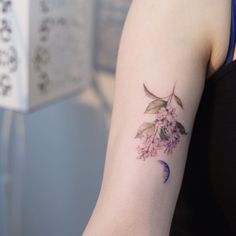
pixel 164 132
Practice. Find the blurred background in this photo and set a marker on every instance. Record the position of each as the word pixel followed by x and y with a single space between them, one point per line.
pixel 65 142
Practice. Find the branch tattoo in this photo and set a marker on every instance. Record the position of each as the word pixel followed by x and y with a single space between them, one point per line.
pixel 164 132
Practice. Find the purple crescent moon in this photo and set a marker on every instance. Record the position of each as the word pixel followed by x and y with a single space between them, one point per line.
pixel 166 170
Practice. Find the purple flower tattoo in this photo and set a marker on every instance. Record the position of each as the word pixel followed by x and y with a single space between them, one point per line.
pixel 164 132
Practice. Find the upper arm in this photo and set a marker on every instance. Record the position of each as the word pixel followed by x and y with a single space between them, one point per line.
pixel 166 46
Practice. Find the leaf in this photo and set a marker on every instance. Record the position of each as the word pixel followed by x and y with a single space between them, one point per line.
pixel 181 128
pixel 155 106
pixel 148 93
pixel 163 134
pixel 145 128
pixel 178 100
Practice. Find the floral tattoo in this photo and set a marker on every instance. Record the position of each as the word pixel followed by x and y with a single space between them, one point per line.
pixel 164 132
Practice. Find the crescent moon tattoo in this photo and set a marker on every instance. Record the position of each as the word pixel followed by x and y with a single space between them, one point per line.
pixel 166 170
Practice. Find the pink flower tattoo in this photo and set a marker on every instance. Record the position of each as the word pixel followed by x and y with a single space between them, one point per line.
pixel 164 132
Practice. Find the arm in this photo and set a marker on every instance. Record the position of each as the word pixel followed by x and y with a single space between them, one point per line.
pixel 165 45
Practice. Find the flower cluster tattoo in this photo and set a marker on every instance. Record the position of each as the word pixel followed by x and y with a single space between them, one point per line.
pixel 164 132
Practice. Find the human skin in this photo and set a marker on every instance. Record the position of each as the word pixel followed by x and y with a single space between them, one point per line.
pixel 164 44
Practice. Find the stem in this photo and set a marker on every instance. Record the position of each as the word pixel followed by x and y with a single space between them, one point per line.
pixel 171 96
pixel 169 101
pixel 174 88
pixel 153 137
